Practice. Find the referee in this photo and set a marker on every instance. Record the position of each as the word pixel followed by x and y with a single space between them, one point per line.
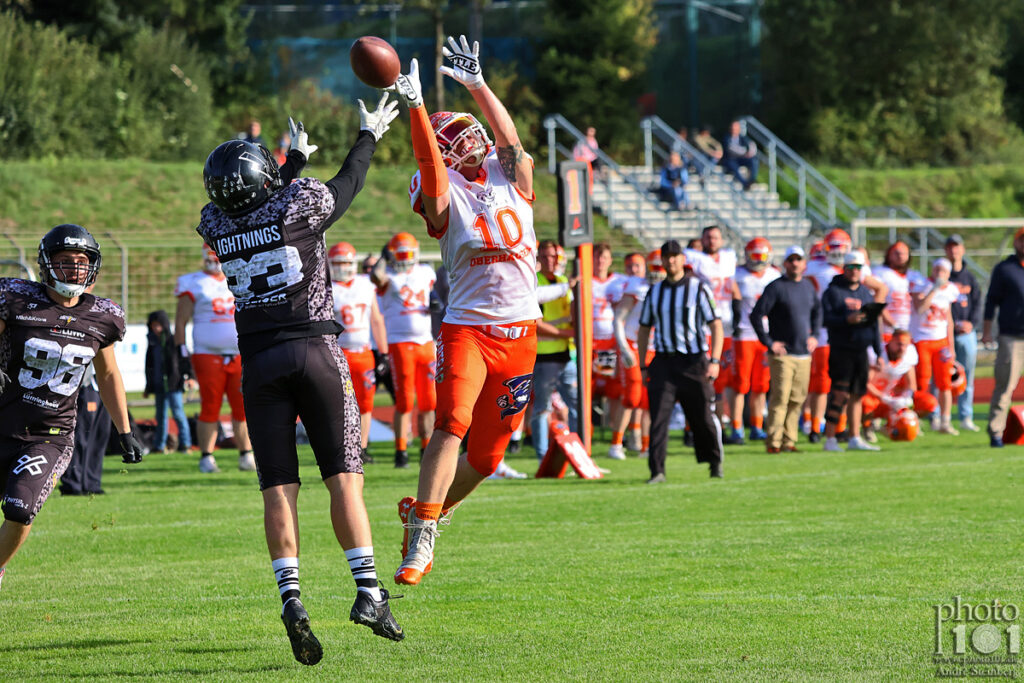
pixel 678 309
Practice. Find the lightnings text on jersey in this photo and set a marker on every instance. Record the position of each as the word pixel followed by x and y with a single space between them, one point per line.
pixel 248 240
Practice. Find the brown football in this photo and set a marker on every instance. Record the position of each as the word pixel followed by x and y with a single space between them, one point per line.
pixel 374 61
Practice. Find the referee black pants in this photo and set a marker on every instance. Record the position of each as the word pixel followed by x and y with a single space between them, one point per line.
pixel 683 378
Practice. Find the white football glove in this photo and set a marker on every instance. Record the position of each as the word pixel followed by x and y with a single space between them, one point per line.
pixel 465 66
pixel 378 120
pixel 300 142
pixel 408 86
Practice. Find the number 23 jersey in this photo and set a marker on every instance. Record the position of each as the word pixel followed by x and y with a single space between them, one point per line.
pixel 46 350
pixel 489 248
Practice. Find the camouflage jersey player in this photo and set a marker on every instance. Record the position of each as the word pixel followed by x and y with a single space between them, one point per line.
pixel 268 233
pixel 50 332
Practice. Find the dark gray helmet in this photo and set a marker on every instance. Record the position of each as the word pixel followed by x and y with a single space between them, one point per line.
pixel 240 176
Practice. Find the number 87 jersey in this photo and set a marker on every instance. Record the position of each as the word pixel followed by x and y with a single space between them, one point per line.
pixel 488 246
pixel 45 351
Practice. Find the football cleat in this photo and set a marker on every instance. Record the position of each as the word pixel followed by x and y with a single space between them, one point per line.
pixel 305 646
pixel 736 438
pixel 757 434
pixel 968 424
pixel 246 463
pixel 418 558
pixel 832 445
pixel 615 452
pixel 406 509
pixel 365 457
pixel 401 459
pixel 376 614
pixel 207 465
pixel 858 444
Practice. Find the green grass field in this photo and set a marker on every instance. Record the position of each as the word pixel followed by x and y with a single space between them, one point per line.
pixel 807 566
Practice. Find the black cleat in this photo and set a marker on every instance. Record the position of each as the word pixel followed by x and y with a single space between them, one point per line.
pixel 305 646
pixel 401 459
pixel 377 615
pixel 366 457
pixel 716 470
pixel 814 437
pixel 514 446
pixel 688 438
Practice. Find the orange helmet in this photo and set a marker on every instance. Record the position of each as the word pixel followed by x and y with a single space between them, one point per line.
pixel 903 426
pixel 818 251
pixel 403 252
pixel 211 263
pixel 655 269
pixel 959 377
pixel 837 246
pixel 342 261
pixel 759 253
pixel 463 141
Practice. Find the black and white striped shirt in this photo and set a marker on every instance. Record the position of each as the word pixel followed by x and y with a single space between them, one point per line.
pixel 679 311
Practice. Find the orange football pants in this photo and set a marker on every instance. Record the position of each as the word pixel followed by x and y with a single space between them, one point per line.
pixel 820 382
pixel 750 367
pixel 932 367
pixel 364 380
pixel 484 380
pixel 412 371
pixel 217 378
pixel 634 393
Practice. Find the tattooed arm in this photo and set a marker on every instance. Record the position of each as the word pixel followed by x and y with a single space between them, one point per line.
pixel 516 165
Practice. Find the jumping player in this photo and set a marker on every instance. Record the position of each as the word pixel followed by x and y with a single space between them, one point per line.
pixel 403 292
pixel 269 235
pixel 750 365
pixel 50 332
pixel 355 308
pixel 477 202
pixel 204 297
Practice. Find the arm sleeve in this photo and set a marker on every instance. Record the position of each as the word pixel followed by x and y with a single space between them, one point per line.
pixel 349 180
pixel 293 166
pixel 433 173
pixel 548 293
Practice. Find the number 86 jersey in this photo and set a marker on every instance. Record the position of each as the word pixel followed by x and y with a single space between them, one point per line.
pixel 489 248
pixel 45 351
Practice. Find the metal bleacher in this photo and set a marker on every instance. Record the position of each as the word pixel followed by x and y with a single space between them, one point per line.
pixel 623 193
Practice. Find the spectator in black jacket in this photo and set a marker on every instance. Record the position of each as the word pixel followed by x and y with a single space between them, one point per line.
pixel 850 332
pixel 740 152
pixel 966 319
pixel 1005 292
pixel 791 308
pixel 167 371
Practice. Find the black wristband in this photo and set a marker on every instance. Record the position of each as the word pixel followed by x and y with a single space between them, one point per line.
pixel 715 361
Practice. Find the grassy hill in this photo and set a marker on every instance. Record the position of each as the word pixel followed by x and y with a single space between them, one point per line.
pixel 151 209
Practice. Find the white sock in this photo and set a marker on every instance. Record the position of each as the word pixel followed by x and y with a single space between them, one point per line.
pixel 286 571
pixel 364 571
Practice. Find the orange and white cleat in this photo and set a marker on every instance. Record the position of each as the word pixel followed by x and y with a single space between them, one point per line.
pixel 417 544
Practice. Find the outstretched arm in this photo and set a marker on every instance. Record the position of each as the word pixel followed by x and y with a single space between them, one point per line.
pixel 465 68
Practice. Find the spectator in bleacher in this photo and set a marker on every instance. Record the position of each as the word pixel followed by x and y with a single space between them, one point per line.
pixel 167 371
pixel 672 185
pixel 586 151
pixel 966 316
pixel 1005 292
pixel 740 152
pixel 709 147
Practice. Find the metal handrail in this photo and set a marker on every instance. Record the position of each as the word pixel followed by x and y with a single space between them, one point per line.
pixel 816 194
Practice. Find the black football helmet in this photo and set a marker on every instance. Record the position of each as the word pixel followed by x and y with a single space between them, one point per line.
pixel 240 176
pixel 68 237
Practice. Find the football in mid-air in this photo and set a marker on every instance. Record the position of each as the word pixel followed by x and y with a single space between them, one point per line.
pixel 374 61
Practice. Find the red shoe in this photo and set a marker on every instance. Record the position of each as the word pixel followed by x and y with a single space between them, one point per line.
pixel 773 449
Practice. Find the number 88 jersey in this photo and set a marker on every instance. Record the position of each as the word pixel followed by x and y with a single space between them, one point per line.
pixel 488 246
pixel 46 350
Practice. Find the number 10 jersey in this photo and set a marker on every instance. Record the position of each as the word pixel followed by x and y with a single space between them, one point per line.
pixel 45 351
pixel 489 248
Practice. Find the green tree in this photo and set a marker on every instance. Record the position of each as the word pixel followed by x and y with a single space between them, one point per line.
pixel 591 60
pixel 887 83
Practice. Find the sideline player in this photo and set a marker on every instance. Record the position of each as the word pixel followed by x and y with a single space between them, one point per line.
pixel 403 293
pixel 627 326
pixel 50 332
pixel 477 202
pixel 931 327
pixel 892 385
pixel 606 290
pixel 750 364
pixel 204 297
pixel 716 265
pixel 355 308
pixel 899 277
pixel 269 235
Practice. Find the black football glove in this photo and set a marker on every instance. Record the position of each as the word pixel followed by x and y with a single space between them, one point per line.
pixel 131 448
pixel 4 381
pixel 383 366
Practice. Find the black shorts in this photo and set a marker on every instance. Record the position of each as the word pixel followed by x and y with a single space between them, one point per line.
pixel 305 378
pixel 29 468
pixel 848 370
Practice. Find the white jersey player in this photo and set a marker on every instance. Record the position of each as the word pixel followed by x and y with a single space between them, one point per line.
pixel 899 278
